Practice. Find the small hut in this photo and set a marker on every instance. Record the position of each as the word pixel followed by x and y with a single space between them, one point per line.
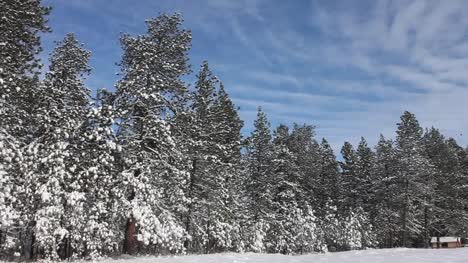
pixel 445 242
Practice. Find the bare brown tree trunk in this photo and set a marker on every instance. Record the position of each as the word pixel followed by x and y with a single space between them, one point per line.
pixel 130 244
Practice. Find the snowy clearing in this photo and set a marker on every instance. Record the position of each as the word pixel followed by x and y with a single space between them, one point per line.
pixel 399 255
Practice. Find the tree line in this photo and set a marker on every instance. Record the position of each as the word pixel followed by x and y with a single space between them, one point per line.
pixel 156 167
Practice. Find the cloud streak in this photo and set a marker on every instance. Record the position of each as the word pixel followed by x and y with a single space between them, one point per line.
pixel 349 68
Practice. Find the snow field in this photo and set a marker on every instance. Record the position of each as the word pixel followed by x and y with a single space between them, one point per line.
pixel 398 255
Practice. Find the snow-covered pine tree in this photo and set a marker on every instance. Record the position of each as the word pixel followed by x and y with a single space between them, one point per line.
pixel 306 152
pixel 202 182
pixel 306 149
pixel 328 194
pixel 94 215
pixel 354 231
pixel 46 182
pixel 230 125
pixel 63 102
pixel 209 219
pixel 146 102
pixel 64 98
pixel 285 193
pixel 385 187
pixel 258 183
pixel 446 217
pixel 11 196
pixel 329 190
pixel 349 176
pixel 415 177
pixel 358 204
pixel 309 236
pixel 228 136
pixel 459 196
pixel 445 166
pixel 20 26
pixel 364 165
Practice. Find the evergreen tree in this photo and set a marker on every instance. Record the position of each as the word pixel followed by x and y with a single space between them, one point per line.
pixel 259 182
pixel 354 231
pixel 20 27
pixel 305 224
pixel 202 180
pixel 214 155
pixel 147 100
pixel 64 98
pixel 365 163
pixel 286 194
pixel 95 232
pixel 415 179
pixel 458 196
pixel 302 144
pixel 11 203
pixel 328 191
pixel 349 170
pixel 60 111
pixel 385 188
pixel 449 181
pixel 328 194
pixel 228 136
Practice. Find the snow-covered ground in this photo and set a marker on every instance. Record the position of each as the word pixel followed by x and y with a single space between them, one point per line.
pixel 400 255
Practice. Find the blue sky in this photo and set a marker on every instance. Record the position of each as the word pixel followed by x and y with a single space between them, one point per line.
pixel 348 67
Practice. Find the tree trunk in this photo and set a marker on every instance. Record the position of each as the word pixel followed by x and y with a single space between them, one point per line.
pixel 130 243
pixel 426 230
pixel 30 242
pixel 405 215
pixel 208 230
pixel 62 249
pixel 390 243
pixel 190 206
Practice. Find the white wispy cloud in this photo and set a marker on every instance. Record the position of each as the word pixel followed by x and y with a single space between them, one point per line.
pixel 348 67
pixel 401 45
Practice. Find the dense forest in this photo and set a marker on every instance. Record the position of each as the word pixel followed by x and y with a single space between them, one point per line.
pixel 155 167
